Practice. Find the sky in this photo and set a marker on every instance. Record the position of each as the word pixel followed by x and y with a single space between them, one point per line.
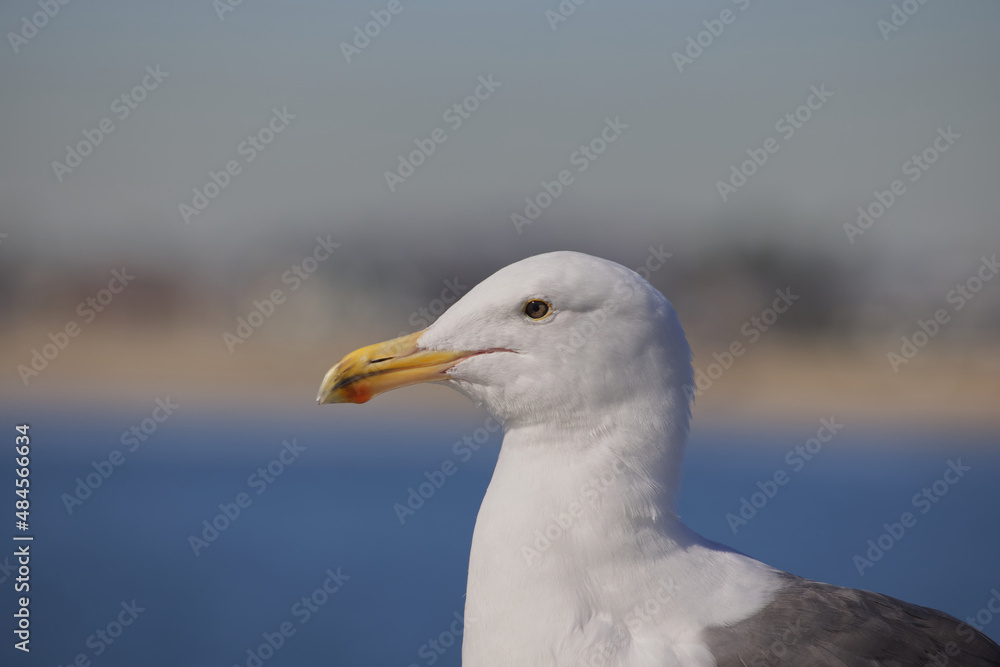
pixel 226 72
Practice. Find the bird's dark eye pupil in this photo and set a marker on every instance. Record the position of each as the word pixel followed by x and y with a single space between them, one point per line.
pixel 536 309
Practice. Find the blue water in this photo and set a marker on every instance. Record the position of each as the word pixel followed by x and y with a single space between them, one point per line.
pixel 332 509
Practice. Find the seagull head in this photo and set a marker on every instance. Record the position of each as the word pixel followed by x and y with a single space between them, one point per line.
pixel 549 338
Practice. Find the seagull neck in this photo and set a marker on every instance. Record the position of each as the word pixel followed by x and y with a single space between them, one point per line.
pixel 630 454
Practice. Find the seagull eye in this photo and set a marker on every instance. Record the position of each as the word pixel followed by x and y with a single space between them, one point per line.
pixel 536 309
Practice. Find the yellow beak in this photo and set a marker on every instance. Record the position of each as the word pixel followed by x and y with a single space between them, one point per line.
pixel 378 368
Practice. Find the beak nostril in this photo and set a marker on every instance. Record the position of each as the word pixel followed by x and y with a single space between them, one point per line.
pixel 379 360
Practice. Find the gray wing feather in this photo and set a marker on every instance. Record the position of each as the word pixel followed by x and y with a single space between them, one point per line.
pixel 810 623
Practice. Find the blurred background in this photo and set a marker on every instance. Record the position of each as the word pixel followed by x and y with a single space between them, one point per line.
pixel 204 205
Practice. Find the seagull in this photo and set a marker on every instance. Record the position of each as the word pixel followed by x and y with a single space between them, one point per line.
pixel 579 557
